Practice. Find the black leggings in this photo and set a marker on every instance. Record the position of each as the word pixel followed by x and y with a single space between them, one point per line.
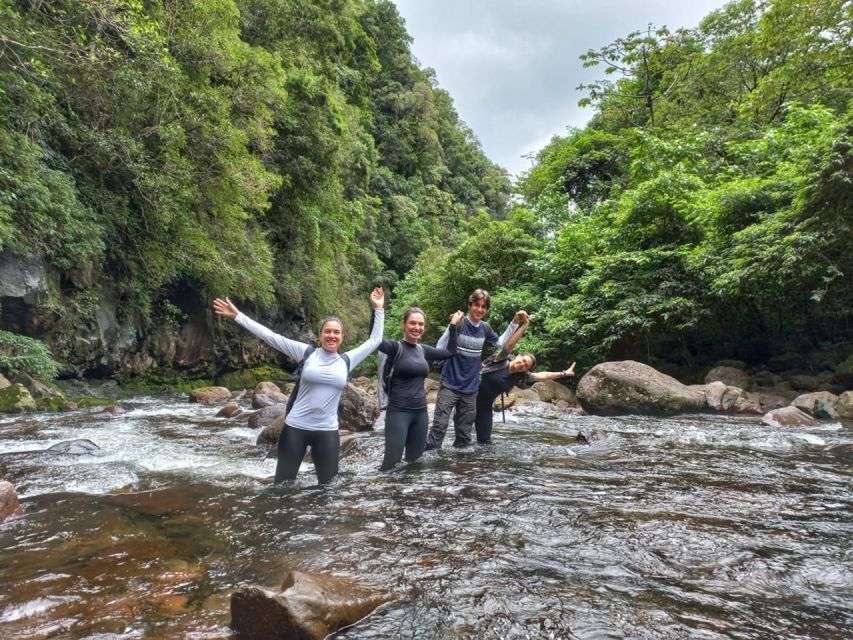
pixel 483 421
pixel 292 445
pixel 404 429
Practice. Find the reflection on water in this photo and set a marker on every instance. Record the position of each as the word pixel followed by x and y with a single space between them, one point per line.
pixel 696 526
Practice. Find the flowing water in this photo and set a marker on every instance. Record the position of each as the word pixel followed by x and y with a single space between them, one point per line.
pixel 689 527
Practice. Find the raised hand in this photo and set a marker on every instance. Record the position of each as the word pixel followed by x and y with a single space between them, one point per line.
pixel 456 318
pixel 521 317
pixel 225 308
pixel 377 298
pixel 570 372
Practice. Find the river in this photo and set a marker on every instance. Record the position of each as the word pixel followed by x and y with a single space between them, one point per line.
pixel 687 527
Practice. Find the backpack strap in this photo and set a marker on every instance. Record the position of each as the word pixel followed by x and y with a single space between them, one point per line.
pixel 387 373
pixel 298 372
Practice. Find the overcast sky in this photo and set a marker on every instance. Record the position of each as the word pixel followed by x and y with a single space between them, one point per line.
pixel 512 67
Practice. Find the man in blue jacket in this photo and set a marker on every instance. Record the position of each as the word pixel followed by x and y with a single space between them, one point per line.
pixel 460 375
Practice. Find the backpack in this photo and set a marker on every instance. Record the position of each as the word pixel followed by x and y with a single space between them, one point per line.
pixel 386 372
pixel 298 372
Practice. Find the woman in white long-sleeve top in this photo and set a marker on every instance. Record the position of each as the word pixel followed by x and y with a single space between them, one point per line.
pixel 312 420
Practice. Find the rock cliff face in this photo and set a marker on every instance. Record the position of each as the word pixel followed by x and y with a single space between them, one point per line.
pixel 96 331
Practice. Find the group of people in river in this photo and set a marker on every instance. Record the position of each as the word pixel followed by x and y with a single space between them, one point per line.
pixel 468 389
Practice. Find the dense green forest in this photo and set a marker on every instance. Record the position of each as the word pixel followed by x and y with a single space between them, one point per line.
pixel 291 154
pixel 704 212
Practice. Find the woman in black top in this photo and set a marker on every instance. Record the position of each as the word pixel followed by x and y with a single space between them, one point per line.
pixel 502 374
pixel 406 419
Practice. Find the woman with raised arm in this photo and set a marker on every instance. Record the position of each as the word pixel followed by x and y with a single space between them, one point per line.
pixel 312 419
pixel 406 367
pixel 503 372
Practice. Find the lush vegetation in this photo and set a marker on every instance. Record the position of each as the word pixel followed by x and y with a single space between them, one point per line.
pixel 288 153
pixel 704 212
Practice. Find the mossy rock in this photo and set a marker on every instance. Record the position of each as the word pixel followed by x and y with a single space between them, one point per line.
pixel 87 402
pixel 163 382
pixel 55 403
pixel 15 399
pixel 249 378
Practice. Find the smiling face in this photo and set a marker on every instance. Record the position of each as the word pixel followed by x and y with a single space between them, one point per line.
pixel 477 310
pixel 331 336
pixel 413 327
pixel 521 363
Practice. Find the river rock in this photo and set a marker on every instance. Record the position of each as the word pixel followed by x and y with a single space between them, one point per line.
pixel 269 434
pixel 306 607
pixel 9 505
pixel 264 417
pixel 525 395
pixel 731 377
pixel 551 391
pixel 788 417
pixel 588 436
pixel 358 409
pixel 267 387
pixel 37 388
pixel 505 401
pixel 261 400
pixel 74 447
pixel 4 382
pixel 15 398
pixel 844 406
pixel 820 404
pixel 230 410
pixel 113 410
pixel 770 401
pixel 629 387
pixel 210 395
pixel 713 392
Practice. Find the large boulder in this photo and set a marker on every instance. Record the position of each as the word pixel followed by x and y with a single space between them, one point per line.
pixel 358 409
pixel 626 387
pixel 731 377
pixel 15 398
pixel 804 382
pixel 4 382
pixel 787 417
pixel 37 388
pixel 820 404
pixel 9 505
pixel 306 607
pixel 210 395
pixel 844 406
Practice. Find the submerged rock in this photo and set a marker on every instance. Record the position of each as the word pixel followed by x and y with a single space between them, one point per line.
pixel 230 410
pixel 9 505
pixel 629 387
pixel 307 607
pixel 588 436
pixel 788 417
pixel 74 447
